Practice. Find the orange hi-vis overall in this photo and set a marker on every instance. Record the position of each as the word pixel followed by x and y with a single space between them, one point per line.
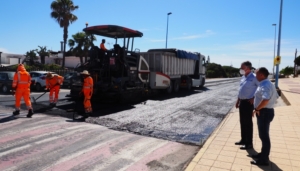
pixel 21 83
pixel 87 90
pixel 102 46
pixel 54 85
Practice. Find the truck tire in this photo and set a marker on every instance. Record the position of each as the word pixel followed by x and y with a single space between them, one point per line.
pixel 169 89
pixel 175 85
pixel 189 84
pixel 202 83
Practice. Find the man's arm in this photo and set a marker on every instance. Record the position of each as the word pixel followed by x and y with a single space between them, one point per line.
pixel 15 81
pixel 262 104
pixel 266 95
pixel 237 104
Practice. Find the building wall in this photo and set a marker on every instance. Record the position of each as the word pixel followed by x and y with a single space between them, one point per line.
pixel 71 61
pixel 11 59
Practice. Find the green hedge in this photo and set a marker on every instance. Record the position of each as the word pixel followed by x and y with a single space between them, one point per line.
pixel 39 67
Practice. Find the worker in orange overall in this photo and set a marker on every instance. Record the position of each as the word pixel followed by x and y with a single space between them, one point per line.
pixel 87 91
pixel 53 82
pixel 21 88
pixel 102 46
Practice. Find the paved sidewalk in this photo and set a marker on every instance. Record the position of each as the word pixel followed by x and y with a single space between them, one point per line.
pixel 220 153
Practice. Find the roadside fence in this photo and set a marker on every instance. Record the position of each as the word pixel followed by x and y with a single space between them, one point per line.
pixel 61 72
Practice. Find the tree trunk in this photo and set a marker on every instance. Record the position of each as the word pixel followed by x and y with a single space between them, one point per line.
pixel 42 59
pixel 81 59
pixel 65 41
pixel 86 55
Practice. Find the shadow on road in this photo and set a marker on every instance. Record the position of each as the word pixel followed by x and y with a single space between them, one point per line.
pixel 7 119
pixel 103 107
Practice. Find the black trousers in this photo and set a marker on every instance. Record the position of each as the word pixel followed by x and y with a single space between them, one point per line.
pixel 246 110
pixel 263 122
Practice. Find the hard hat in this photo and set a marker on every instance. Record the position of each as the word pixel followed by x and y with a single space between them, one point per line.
pixel 85 72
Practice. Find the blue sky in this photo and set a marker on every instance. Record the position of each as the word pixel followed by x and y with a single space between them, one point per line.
pixel 229 31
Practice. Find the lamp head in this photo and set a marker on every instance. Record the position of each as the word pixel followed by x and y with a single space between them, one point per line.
pixel 86 24
pixel 169 13
pixel 273 24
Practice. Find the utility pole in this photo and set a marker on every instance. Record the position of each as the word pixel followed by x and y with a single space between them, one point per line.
pixel 0 58
pixel 295 64
pixel 167 29
pixel 278 48
pixel 274 49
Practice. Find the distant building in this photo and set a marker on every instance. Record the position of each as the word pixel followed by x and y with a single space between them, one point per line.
pixel 55 58
pixel 11 59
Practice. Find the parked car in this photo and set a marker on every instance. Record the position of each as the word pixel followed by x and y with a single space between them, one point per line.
pixel 39 79
pixel 68 79
pixel 6 79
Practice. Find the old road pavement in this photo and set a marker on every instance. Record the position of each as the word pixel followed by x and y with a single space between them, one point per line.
pixel 161 133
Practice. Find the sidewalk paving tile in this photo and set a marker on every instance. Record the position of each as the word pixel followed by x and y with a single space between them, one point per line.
pixel 220 153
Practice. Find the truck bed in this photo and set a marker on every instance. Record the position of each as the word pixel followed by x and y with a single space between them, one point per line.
pixel 169 64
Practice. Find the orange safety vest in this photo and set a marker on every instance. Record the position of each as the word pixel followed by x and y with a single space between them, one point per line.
pixel 88 83
pixel 21 79
pixel 51 82
pixel 102 46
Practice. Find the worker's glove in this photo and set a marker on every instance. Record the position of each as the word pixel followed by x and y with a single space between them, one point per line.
pixel 46 89
pixel 13 91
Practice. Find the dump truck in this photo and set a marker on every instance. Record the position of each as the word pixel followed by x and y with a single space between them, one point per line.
pixel 123 71
pixel 172 69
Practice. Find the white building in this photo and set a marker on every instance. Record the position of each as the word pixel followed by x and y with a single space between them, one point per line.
pixel 70 61
pixel 12 59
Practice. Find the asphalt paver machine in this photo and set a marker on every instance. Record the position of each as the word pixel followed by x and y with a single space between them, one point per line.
pixel 116 72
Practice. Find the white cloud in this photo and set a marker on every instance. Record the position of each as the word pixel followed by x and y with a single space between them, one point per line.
pixel 259 52
pixel 143 29
pixel 3 50
pixel 196 36
pixel 186 37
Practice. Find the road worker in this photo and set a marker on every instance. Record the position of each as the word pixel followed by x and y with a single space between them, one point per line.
pixel 87 91
pixel 102 46
pixel 21 87
pixel 53 82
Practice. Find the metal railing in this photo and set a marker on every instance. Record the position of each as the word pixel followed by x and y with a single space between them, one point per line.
pixel 61 72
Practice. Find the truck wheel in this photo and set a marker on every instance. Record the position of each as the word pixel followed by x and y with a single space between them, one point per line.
pixel 202 83
pixel 189 84
pixel 176 85
pixel 169 89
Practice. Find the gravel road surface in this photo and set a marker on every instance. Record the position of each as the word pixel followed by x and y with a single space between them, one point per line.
pixel 187 117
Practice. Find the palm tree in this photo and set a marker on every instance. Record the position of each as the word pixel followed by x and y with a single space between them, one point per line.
pixel 43 52
pixel 62 13
pixel 80 44
pixel 76 44
pixel 30 56
pixel 89 38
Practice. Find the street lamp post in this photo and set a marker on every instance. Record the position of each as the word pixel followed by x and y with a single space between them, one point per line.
pixel 167 29
pixel 0 58
pixel 295 71
pixel 278 48
pixel 274 48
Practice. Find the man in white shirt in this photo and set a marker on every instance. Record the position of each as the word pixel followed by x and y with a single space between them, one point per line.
pixel 264 100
